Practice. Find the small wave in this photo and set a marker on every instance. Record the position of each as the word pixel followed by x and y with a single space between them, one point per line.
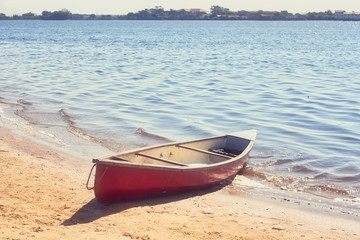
pixel 311 185
pixel 74 130
pixel 142 132
pixel 66 117
pixel 83 135
pixel 327 190
pixel 23 102
pixel 245 181
pixel 53 137
pixel 252 173
pixel 349 179
pixel 8 103
pixel 353 201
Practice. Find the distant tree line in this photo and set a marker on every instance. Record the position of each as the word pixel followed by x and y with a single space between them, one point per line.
pixel 57 15
pixel 158 13
pixel 63 14
pixel 221 13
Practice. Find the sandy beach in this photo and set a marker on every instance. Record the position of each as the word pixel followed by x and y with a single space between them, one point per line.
pixel 43 196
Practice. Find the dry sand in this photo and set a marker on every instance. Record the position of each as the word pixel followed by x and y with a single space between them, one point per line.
pixel 43 196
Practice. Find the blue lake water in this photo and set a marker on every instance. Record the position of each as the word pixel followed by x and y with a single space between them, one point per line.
pixel 99 86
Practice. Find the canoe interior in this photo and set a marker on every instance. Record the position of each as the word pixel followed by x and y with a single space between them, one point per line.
pixel 195 153
pixel 171 167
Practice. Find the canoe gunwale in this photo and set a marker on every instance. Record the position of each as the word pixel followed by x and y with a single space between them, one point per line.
pixel 247 135
pixel 107 161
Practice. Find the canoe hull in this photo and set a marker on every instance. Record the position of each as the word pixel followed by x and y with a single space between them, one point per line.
pixel 121 183
pixel 171 167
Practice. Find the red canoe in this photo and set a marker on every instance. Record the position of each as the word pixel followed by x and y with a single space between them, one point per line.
pixel 171 167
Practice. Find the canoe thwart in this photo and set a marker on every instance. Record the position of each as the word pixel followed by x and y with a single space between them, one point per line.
pixel 227 152
pixel 161 159
pixel 217 154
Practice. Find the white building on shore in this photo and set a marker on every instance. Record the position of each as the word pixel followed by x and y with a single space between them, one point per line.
pixel 343 15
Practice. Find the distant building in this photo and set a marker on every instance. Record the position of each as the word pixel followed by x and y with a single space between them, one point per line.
pixel 194 13
pixel 107 17
pixel 81 16
pixel 349 16
pixel 28 15
pixel 266 16
pixel 195 10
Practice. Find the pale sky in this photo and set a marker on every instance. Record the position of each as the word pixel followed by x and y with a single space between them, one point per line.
pixel 11 7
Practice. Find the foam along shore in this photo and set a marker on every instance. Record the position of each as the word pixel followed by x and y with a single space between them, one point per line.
pixel 43 196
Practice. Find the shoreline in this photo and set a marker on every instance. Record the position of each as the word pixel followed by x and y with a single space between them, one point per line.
pixel 65 138
pixel 44 197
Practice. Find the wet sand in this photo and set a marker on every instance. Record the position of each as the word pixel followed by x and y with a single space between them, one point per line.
pixel 43 196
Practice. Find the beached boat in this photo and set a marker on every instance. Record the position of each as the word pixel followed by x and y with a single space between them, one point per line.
pixel 171 167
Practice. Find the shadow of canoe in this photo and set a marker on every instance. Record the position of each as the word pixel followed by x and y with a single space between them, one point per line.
pixel 94 210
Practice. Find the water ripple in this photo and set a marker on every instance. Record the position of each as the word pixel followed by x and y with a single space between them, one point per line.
pixel 296 82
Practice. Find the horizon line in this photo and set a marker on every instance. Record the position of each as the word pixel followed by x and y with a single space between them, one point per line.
pixel 207 11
